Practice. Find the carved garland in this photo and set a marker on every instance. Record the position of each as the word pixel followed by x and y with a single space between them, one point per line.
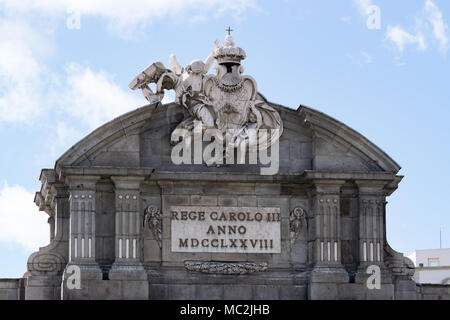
pixel 226 268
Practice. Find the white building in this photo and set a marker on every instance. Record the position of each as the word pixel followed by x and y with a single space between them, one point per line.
pixel 432 265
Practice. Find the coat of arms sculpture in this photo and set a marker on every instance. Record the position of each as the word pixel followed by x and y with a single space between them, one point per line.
pixel 227 101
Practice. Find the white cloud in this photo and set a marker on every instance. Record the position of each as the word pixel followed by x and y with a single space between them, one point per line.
pixel 361 59
pixel 29 91
pixel 346 19
pixel 21 73
pixel 21 223
pixel 368 59
pixel 431 19
pixel 94 97
pixel 129 13
pixel 435 18
pixel 401 38
pixel 362 6
pixel 66 134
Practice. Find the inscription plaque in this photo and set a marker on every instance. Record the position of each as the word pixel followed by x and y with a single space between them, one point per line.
pixel 225 229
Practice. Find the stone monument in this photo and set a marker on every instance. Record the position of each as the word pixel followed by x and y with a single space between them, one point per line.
pixel 219 195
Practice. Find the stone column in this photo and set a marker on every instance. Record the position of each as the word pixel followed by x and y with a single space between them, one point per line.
pixel 326 207
pixel 82 203
pixel 128 263
pixel 82 200
pixel 328 271
pixel 371 202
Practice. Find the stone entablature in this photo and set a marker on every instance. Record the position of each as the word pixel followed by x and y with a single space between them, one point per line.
pixel 320 232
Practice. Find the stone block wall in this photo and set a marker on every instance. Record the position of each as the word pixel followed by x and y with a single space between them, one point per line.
pixel 12 289
pixel 434 291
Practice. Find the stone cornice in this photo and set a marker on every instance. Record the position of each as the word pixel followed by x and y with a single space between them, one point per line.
pixel 360 176
pixel 104 171
pixel 390 179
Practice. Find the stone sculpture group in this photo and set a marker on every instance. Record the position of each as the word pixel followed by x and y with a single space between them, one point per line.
pixel 227 101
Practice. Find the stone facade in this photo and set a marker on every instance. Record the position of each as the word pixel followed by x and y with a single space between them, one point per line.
pixel 112 199
pixel 99 191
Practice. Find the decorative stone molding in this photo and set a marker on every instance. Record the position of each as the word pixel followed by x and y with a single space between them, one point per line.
pixel 297 223
pixel 153 220
pixel 399 265
pixel 227 268
pixel 44 262
pixel 51 260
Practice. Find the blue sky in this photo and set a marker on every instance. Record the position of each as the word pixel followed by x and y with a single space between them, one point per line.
pixel 391 84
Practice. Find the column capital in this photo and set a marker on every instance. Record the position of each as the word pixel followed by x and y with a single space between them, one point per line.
pixel 59 190
pixel 128 182
pixel 327 186
pixel 371 187
pixel 82 182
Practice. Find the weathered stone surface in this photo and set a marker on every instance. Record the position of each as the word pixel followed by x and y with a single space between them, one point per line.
pixel 237 292
pixel 266 292
pixel 433 292
pixel 330 192
pixel 293 292
pixel 152 251
pixel 228 268
pixel 12 289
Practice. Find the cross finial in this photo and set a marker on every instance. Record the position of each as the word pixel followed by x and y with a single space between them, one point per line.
pixel 229 30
